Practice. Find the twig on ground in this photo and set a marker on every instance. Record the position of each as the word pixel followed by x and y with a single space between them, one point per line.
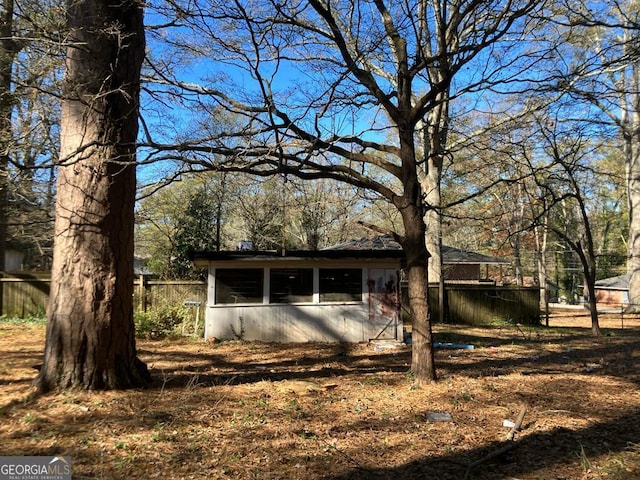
pixel 510 445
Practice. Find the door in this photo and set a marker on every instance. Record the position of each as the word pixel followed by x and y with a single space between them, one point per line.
pixel 383 285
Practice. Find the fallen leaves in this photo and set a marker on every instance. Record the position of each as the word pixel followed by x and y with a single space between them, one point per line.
pixel 314 411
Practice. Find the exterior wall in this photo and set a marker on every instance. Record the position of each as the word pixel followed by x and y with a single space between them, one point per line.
pixel 377 316
pixel 612 298
pixel 289 323
pixel 469 271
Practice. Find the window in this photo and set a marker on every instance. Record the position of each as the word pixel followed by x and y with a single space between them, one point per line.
pixel 239 285
pixel 291 285
pixel 340 285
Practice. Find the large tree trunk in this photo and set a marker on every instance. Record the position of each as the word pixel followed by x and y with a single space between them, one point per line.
pixel 590 288
pixel 632 154
pixel 8 50
pixel 411 208
pixel 422 359
pixel 90 332
pixel 541 235
pixel 434 141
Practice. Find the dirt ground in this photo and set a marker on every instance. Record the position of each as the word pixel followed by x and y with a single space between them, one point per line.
pixel 247 410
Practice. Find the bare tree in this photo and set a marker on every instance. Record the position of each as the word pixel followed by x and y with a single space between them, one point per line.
pixel 605 72
pixel 564 182
pixel 34 152
pixel 29 47
pixel 329 214
pixel 339 90
pixel 90 340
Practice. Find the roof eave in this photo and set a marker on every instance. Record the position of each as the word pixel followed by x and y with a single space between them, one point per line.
pixel 204 258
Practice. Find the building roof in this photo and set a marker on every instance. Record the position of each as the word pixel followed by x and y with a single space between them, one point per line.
pixel 379 242
pixel 621 282
pixel 275 255
pixel 378 247
pixel 450 255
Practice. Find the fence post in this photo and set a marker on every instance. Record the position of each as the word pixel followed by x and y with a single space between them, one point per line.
pixel 142 293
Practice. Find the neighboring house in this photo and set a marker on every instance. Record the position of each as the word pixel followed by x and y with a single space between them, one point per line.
pixel 332 295
pixel 613 292
pixel 458 265
pixel 462 265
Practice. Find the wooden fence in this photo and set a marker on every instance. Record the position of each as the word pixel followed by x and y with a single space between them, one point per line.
pixel 488 304
pixel 25 294
pixel 483 304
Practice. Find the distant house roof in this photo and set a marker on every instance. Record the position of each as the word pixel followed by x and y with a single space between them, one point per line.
pixel 621 282
pixel 378 247
pixel 379 242
pixel 450 255
pixel 455 255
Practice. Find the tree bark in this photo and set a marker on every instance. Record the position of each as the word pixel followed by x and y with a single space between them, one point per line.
pixel 90 339
pixel 423 359
pixel 412 209
pixel 589 270
pixel 517 259
pixel 8 51
pixel 540 235
pixel 435 135
pixel 433 219
pixel 632 154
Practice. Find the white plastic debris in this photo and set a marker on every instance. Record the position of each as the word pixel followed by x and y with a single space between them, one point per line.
pixel 439 417
pixel 460 346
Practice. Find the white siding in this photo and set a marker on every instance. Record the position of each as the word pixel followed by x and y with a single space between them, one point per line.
pixel 317 322
pixel 290 323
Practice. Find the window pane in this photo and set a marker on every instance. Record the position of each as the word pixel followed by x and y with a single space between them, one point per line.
pixel 291 285
pixel 239 285
pixel 340 284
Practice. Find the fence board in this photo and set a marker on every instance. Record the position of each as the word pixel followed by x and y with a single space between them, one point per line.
pixel 482 304
pixel 26 294
pixel 489 304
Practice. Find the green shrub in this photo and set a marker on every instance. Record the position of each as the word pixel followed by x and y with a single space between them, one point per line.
pixel 162 321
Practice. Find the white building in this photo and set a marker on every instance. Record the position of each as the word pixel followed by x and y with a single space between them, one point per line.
pixel 299 296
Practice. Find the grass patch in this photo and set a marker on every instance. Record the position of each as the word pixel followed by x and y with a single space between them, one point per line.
pixel 39 319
